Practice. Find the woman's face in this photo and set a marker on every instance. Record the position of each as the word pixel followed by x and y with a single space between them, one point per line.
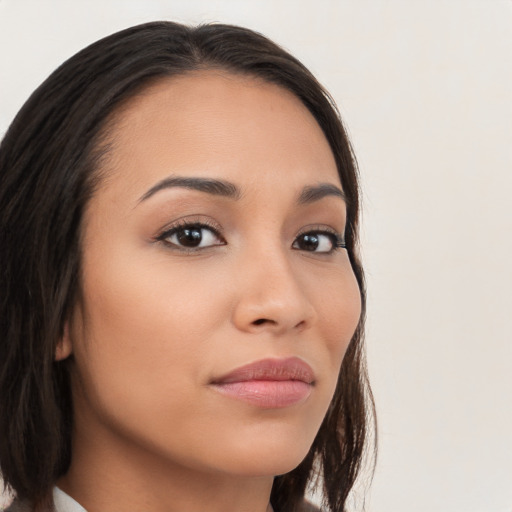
pixel 216 305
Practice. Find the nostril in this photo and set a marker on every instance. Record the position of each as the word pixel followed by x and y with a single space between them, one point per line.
pixel 260 321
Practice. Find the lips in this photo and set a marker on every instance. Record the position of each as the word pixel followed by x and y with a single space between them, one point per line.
pixel 269 383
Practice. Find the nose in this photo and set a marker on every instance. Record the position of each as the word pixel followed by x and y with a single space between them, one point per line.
pixel 271 296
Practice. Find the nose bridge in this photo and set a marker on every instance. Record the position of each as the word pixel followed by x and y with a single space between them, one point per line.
pixel 271 295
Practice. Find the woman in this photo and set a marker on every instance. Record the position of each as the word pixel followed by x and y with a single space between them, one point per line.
pixel 182 302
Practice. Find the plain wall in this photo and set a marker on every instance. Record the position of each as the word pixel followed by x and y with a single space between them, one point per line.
pixel 425 88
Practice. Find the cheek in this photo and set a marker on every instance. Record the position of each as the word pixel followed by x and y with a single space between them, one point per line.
pixel 155 296
pixel 339 311
pixel 145 330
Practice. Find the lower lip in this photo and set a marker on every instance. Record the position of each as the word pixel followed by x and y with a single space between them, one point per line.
pixel 268 394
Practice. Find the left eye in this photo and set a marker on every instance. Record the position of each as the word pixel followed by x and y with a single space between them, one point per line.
pixel 316 241
pixel 192 236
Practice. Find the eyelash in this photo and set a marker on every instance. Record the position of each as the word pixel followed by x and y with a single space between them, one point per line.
pixel 337 240
pixel 189 225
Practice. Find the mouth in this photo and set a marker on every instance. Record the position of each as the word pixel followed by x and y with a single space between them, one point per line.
pixel 269 383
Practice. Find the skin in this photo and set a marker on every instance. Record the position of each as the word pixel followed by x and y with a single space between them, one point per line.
pixel 155 324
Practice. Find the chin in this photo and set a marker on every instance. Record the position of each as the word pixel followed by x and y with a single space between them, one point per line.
pixel 271 453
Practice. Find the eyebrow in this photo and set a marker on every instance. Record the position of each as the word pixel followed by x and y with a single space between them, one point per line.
pixel 313 193
pixel 217 187
pixel 210 186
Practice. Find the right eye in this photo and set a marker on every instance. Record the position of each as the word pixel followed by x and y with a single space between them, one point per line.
pixel 190 237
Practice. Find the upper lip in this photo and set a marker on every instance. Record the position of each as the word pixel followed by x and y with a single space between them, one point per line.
pixel 291 368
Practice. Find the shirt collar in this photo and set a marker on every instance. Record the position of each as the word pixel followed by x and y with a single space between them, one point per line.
pixel 65 503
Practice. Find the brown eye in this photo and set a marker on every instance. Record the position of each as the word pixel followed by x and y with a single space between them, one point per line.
pixel 191 236
pixel 318 241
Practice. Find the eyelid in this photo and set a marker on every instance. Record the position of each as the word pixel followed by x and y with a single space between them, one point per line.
pixel 339 238
pixel 189 221
pixel 321 228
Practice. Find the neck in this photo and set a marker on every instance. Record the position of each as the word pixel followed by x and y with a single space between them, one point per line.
pixel 109 474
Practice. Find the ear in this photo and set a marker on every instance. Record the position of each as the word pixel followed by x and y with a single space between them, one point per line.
pixel 64 346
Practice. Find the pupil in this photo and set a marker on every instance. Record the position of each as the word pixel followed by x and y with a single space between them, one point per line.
pixel 309 242
pixel 190 237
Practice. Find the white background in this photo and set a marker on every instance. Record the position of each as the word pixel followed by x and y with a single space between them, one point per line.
pixel 425 88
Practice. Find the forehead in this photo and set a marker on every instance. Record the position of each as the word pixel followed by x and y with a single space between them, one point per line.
pixel 218 123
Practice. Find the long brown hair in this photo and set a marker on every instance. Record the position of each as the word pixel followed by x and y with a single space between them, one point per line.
pixel 49 160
